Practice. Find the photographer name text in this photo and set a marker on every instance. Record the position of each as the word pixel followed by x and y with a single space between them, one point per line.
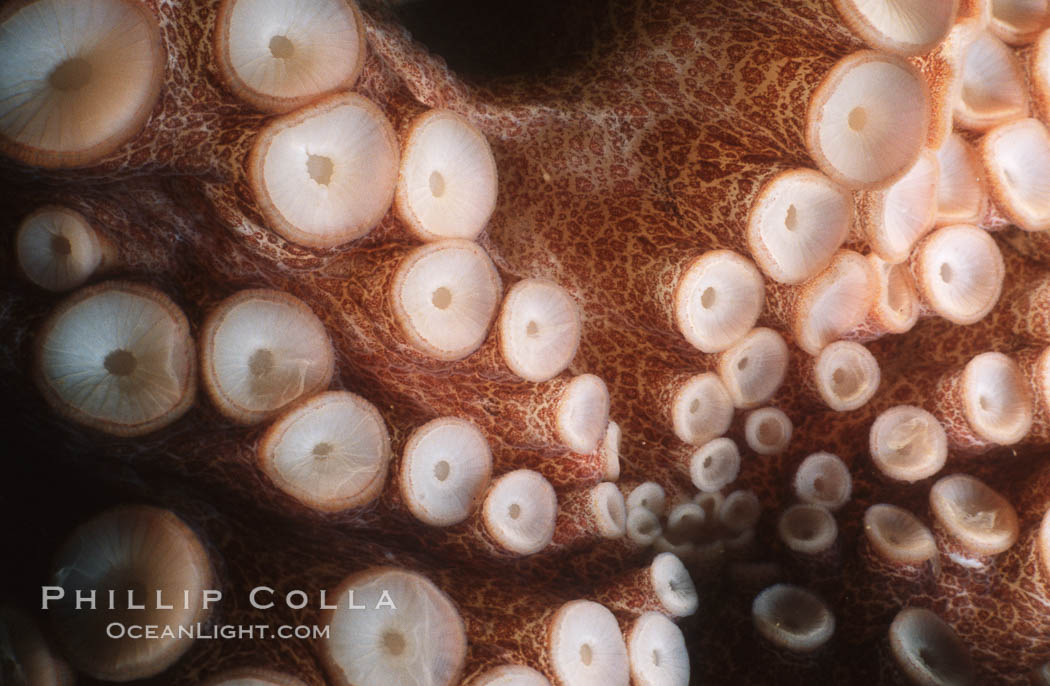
pixel 260 597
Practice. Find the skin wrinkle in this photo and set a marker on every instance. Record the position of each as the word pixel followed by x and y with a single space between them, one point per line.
pixel 654 145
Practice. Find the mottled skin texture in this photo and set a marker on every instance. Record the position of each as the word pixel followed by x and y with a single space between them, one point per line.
pixel 881 322
pixel 195 124
pixel 948 407
pixel 600 563
pixel 516 623
pixel 1033 362
pixel 788 307
pixel 799 394
pixel 576 525
pixel 631 372
pixel 659 142
pixel 942 70
pixel 1019 320
pixel 1038 88
pixel 564 470
pixel 1017 631
pixel 662 391
pixel 877 587
pixel 484 657
pixel 937 389
pixel 1035 246
pixel 632 593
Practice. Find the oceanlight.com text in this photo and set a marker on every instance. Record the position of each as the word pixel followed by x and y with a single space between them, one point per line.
pixel 251 632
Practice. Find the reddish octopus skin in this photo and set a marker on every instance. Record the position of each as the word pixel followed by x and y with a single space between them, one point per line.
pixel 659 133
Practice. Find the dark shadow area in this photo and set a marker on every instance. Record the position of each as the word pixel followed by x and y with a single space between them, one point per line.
pixel 490 39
